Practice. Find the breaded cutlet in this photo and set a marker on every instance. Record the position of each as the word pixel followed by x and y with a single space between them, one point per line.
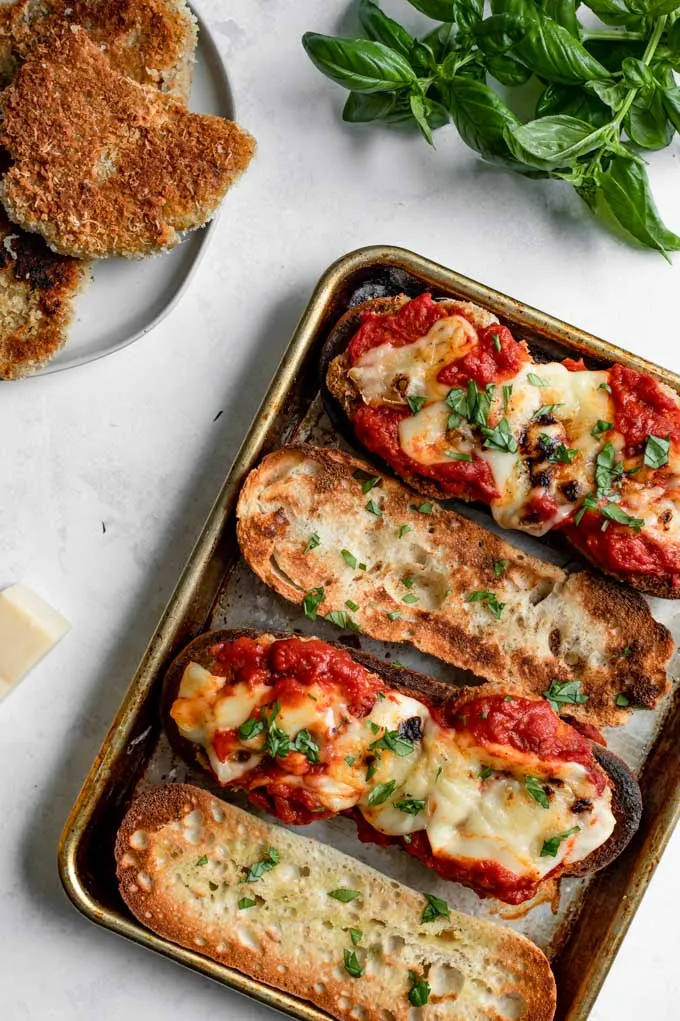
pixel 151 41
pixel 103 166
pixel 37 293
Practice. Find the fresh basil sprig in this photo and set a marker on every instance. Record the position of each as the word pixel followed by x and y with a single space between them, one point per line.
pixel 605 97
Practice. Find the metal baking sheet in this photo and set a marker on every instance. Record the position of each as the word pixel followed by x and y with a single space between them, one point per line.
pixel 582 933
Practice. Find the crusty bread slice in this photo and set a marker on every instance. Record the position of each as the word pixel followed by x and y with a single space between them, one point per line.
pixel 151 41
pixel 103 166
pixel 554 626
pixel 183 857
pixel 37 295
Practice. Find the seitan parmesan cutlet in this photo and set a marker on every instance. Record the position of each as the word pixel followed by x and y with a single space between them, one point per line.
pixel 151 41
pixel 37 293
pixel 108 167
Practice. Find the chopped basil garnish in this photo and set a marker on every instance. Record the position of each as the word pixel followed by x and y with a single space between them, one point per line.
pixel 305 744
pixel 269 860
pixel 344 895
pixel 613 512
pixel 590 503
pixel 373 508
pixel 375 729
pixel 601 427
pixel 373 768
pixel 368 481
pixel 342 619
pixel 420 990
pixel 564 693
pixel 312 601
pixel 350 759
pixel 546 409
pixel 485 772
pixel 312 542
pixel 435 908
pixel 536 380
pixel 424 508
pixel 407 838
pixel 561 454
pixel 496 340
pixel 351 606
pixel 251 728
pixel 409 598
pixel 608 471
pixel 507 394
pixel 352 966
pixel 416 404
pixel 500 438
pixel 534 788
pixel 382 792
pixel 403 529
pixel 606 387
pixel 246 902
pixel 362 567
pixel 500 567
pixel 408 582
pixel 392 741
pixel 489 599
pixel 411 806
pixel 508 698
pixel 656 452
pixel 622 701
pixel 349 558
pixel 456 455
pixel 551 846
pixel 203 860
pixel 394 615
pixel 356 936
pixel 278 741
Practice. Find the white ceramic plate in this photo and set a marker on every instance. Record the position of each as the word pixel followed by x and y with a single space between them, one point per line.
pixel 127 298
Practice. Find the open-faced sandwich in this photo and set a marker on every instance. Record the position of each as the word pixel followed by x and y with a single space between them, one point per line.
pixel 485 786
pixel 444 395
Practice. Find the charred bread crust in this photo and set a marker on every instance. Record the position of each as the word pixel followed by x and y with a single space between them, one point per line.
pixel 626 797
pixel 340 397
pixel 584 625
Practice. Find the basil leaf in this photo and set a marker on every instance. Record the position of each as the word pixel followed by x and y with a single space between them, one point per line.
pixel 468 13
pixel 612 96
pixel 564 13
pixel 500 567
pixel 382 792
pixel 393 741
pixel 613 512
pixel 435 908
pixel 646 122
pixel 251 728
pixel 364 107
pixel 438 10
pixel 306 745
pixel 551 846
pixel 671 101
pixel 499 438
pixel 507 70
pixel 653 8
pixel 548 48
pixel 358 64
pixel 367 481
pixel 313 541
pixel 636 74
pixel 352 966
pixel 419 993
pixel 573 101
pixel 656 452
pixel 551 142
pixel 534 789
pixel 382 29
pixel 416 404
pixel 622 701
pixel 410 806
pixel 344 895
pixel 625 189
pixel 613 12
pixel 419 111
pixel 564 693
pixel 246 902
pixel 267 862
pixel 481 117
pixel 356 936
pixel 312 601
pixel 441 41
pixel 489 599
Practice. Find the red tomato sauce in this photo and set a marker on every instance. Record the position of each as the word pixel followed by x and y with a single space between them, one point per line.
pixel 497 357
pixel 378 430
pixel 541 507
pixel 411 322
pixel 642 407
pixel 621 550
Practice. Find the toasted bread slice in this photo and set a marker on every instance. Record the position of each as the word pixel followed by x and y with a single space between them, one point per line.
pixel 103 166
pixel 37 295
pixel 151 41
pixel 184 859
pixel 552 626
pixel 626 798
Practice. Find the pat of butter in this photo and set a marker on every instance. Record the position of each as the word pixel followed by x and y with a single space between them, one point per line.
pixel 29 628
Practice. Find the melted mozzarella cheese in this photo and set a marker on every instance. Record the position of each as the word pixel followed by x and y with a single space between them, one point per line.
pixel 466 815
pixel 387 375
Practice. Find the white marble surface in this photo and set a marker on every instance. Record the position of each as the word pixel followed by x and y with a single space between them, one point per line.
pixel 130 441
